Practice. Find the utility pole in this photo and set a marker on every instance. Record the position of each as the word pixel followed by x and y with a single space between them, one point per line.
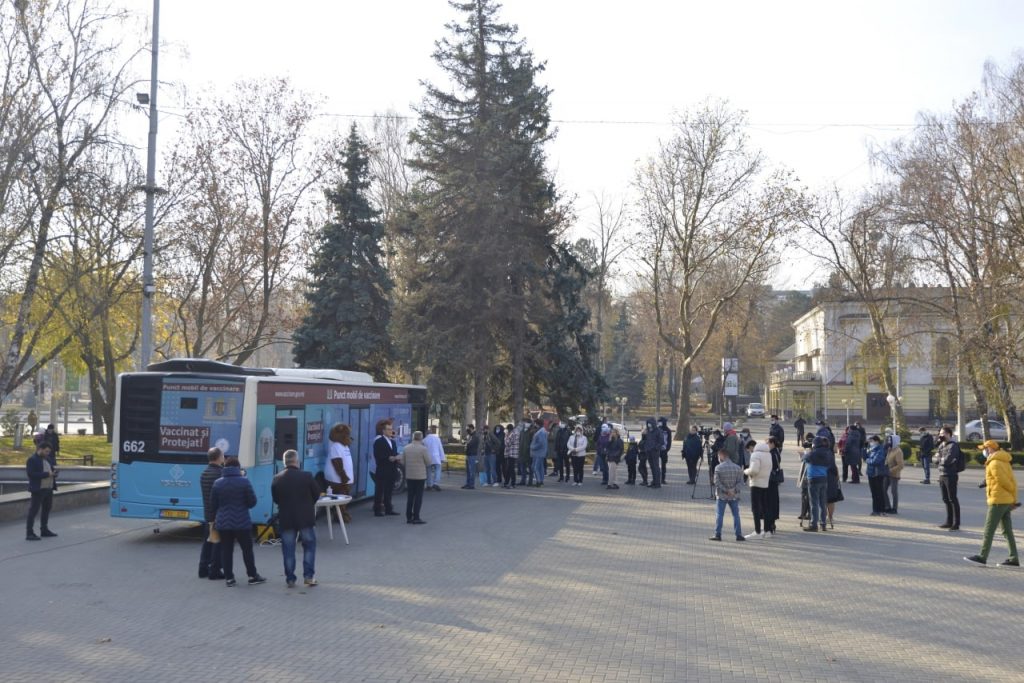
pixel 148 287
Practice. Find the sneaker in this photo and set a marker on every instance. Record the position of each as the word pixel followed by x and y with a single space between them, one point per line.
pixel 30 536
pixel 311 581
pixel 756 534
pixel 925 481
pixel 253 580
pixel 46 533
pixel 1009 563
pixel 955 528
pixel 468 487
pixel 230 583
pixel 945 526
pixel 714 538
pixel 495 484
pixel 216 576
pixel 290 583
pixel 740 538
pixel 976 559
pixel 615 486
pixel 810 528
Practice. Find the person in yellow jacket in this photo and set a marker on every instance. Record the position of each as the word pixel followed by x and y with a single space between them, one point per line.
pixel 1002 499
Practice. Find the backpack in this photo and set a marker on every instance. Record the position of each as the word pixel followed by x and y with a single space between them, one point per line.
pixel 961 461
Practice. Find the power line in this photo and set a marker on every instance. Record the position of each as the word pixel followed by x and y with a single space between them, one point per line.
pixel 809 126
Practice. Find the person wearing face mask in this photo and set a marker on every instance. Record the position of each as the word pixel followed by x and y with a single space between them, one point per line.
pixel 950 462
pixel 1001 487
pixel 876 475
pixel 777 433
pixel 577 448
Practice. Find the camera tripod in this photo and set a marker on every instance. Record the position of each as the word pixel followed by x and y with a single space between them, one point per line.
pixel 700 465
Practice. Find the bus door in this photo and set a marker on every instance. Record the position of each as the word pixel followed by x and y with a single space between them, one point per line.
pixel 288 434
pixel 362 450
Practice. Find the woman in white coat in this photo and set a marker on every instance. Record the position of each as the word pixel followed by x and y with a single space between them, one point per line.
pixel 759 473
pixel 577 453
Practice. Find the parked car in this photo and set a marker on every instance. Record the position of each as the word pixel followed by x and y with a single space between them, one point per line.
pixel 755 410
pixel 997 430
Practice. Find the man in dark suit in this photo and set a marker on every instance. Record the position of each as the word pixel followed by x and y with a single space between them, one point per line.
pixel 295 492
pixel 385 455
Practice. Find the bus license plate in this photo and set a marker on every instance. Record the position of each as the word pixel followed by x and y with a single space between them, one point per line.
pixel 174 514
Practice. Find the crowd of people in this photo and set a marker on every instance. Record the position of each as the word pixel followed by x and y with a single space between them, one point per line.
pixel 821 487
pixel 513 455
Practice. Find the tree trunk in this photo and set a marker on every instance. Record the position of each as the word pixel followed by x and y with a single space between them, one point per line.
pixel 683 422
pixel 1008 409
pixel 98 404
pixel 658 373
pixel 673 385
pixel 480 398
pixel 444 422
pixel 467 413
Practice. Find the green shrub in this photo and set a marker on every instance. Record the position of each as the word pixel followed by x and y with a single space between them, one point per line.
pixel 9 422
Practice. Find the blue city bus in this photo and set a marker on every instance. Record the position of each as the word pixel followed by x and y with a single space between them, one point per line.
pixel 167 418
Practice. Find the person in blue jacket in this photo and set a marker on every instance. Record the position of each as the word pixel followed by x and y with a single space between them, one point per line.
pixel 818 460
pixel 876 475
pixel 230 501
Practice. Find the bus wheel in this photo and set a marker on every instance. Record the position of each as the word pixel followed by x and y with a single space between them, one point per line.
pixel 399 480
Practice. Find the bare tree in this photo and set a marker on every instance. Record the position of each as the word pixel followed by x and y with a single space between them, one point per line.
pixel 253 165
pixel 714 218
pixel 93 271
pixel 960 193
pixel 68 74
pixel 870 258
pixel 610 243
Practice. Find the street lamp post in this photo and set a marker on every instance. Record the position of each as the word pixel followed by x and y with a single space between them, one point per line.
pixel 148 287
pixel 622 401
pixel 847 402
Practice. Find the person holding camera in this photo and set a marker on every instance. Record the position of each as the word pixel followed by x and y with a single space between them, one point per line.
pixel 693 450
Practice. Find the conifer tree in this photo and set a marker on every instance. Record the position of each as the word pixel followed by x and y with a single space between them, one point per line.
pixel 625 376
pixel 346 326
pixel 486 210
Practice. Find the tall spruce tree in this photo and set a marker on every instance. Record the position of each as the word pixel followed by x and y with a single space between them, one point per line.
pixel 346 326
pixel 486 210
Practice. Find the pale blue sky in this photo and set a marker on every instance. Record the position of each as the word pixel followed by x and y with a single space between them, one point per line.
pixel 799 68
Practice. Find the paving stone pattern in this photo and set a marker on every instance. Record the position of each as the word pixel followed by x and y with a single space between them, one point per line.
pixel 551 584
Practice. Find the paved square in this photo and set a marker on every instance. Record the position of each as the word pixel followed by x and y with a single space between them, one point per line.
pixel 555 584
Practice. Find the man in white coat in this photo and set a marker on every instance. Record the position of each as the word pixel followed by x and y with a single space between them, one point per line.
pixel 436 450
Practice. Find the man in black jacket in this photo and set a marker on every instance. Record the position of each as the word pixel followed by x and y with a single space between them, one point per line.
pixel 41 469
pixel 209 556
pixel 295 492
pixel 666 444
pixel 385 455
pixel 951 462
pixel 924 454
pixel 777 432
